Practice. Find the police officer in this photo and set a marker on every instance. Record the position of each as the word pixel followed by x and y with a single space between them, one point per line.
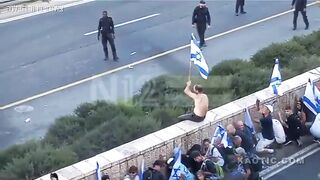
pixel 106 29
pixel 300 6
pixel 240 3
pixel 200 19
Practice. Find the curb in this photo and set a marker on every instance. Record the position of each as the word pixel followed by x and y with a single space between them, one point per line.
pixel 25 15
pixel 15 2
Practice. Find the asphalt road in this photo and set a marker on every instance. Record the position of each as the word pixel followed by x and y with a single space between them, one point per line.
pixel 309 169
pixel 50 50
pixel 22 81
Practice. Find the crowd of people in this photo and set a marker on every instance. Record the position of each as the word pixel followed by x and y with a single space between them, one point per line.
pixel 241 158
pixel 235 152
pixel 238 156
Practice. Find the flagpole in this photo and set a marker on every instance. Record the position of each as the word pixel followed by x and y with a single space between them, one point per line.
pixel 189 76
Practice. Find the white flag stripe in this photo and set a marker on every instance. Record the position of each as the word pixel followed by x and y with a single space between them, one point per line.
pixel 309 99
pixel 276 79
pixel 198 59
pixel 248 121
pixel 98 172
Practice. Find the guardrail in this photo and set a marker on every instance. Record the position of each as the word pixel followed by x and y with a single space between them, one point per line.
pixel 116 161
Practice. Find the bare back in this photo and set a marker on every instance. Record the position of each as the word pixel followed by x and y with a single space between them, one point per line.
pixel 201 104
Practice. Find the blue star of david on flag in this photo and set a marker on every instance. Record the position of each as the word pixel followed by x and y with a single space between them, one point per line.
pixel 179 168
pixel 198 59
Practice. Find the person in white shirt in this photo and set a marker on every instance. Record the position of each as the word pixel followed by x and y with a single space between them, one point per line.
pixel 278 130
pixel 201 103
pixel 212 153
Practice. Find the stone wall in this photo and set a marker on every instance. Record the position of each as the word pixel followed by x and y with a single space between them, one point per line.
pixel 116 161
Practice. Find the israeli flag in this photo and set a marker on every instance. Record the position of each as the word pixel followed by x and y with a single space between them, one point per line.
pixel 98 172
pixel 316 92
pixel 198 59
pixel 310 99
pixel 179 168
pixel 222 133
pixel 276 78
pixel 248 121
pixel 141 170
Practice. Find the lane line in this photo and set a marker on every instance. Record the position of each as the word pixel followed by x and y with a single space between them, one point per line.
pixel 276 171
pixel 128 22
pixel 136 63
pixel 293 156
pixel 257 22
pixel 51 8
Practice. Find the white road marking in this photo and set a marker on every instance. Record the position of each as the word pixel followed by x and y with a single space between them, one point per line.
pixel 258 22
pixel 27 120
pixel 128 22
pixel 294 156
pixel 276 171
pixel 137 62
pixel 43 11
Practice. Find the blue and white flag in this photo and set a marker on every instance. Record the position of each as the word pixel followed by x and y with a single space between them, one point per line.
pixel 98 172
pixel 276 79
pixel 178 168
pixel 248 121
pixel 141 170
pixel 316 92
pixel 222 133
pixel 198 59
pixel 310 99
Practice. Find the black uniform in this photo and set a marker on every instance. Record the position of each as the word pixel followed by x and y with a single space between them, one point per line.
pixel 294 130
pixel 300 5
pixel 201 17
pixel 240 3
pixel 106 28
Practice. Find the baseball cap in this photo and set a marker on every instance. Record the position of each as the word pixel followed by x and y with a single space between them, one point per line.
pixel 202 2
pixel 170 160
pixel 270 108
pixel 240 151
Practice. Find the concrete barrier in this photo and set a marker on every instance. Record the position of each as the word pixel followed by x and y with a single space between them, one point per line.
pixel 5 3
pixel 116 161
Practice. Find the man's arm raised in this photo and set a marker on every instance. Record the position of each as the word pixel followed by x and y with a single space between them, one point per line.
pixel 188 91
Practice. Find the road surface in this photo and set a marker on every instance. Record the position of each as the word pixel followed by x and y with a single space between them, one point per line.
pixel 51 51
pixel 308 169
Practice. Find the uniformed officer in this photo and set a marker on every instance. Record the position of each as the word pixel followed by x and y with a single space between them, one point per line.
pixel 300 6
pixel 106 29
pixel 200 19
pixel 240 3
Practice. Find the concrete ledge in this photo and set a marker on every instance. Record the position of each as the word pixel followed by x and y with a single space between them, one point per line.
pixel 113 156
pixel 116 161
pixel 85 168
pixel 70 172
pixel 98 158
pixel 6 3
pixel 170 133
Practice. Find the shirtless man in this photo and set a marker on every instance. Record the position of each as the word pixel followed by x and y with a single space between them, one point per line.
pixel 201 103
